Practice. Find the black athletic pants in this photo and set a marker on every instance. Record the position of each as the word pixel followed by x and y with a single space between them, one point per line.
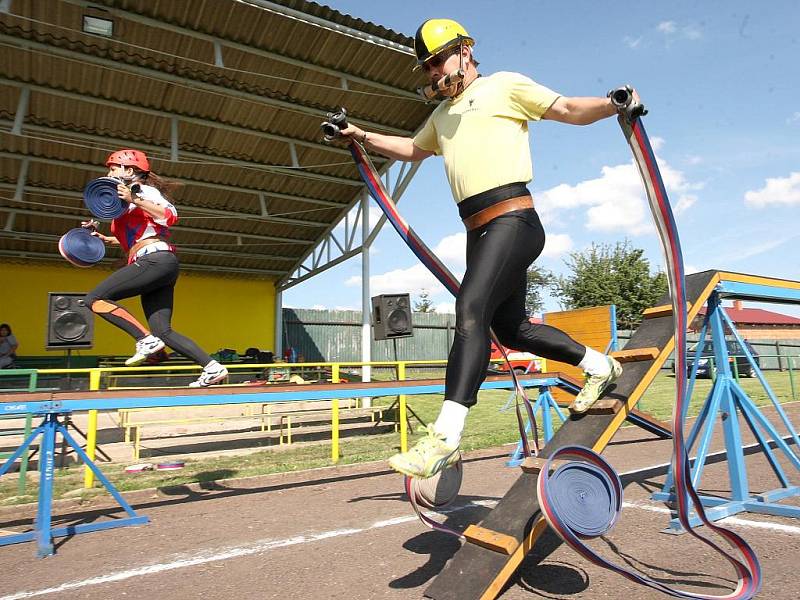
pixel 493 294
pixel 152 277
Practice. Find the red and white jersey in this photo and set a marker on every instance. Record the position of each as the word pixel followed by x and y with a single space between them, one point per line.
pixel 137 224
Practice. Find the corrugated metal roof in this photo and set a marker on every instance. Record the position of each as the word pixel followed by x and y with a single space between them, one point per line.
pixel 68 98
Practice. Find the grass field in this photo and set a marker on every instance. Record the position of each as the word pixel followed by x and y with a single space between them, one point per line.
pixel 487 426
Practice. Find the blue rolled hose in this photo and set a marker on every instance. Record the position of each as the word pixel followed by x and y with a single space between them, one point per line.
pixel 81 248
pixel 101 198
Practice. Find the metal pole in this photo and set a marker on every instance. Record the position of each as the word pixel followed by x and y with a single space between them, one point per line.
pixel 91 433
pixel 278 323
pixel 366 309
pixel 334 417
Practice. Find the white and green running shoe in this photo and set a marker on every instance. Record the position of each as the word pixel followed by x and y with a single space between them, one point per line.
pixel 594 387
pixel 429 455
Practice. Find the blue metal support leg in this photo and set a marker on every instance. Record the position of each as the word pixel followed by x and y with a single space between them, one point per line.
pixel 544 404
pixel 43 531
pixel 728 400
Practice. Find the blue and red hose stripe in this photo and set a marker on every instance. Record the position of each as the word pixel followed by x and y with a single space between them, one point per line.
pixel 749 572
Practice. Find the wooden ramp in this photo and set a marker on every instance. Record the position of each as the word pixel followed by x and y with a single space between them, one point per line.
pixel 479 573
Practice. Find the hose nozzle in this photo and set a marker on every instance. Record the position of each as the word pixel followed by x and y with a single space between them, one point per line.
pixel 331 129
pixel 622 99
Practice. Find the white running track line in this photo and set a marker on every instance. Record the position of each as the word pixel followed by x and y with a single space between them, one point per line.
pixel 220 554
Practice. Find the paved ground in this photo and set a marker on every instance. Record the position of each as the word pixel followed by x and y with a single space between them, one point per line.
pixel 349 533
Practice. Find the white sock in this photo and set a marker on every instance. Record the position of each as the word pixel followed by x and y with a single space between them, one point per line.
pixel 595 363
pixel 451 421
pixel 212 366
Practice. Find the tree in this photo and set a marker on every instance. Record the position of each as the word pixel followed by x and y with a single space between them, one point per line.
pixel 538 279
pixel 605 274
pixel 424 304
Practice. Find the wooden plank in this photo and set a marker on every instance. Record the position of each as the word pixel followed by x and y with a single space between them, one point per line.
pixel 663 310
pixel 636 354
pixel 606 406
pixel 534 464
pixel 491 540
pixel 475 573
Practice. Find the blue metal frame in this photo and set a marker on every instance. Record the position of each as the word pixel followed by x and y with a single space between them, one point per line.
pixel 544 404
pixel 43 531
pixel 728 399
pixel 102 401
pixel 542 408
pixel 52 410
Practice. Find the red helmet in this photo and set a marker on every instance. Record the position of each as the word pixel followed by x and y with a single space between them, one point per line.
pixel 129 158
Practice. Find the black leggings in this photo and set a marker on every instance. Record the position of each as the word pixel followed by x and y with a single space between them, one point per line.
pixel 493 294
pixel 152 277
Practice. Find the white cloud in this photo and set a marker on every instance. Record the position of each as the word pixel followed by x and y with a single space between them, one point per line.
pixel 761 247
pixel 452 251
pixel 670 30
pixel 397 281
pixel 631 42
pixel 667 27
pixel 692 32
pixel 684 203
pixel 615 202
pixel 795 118
pixel 657 143
pixel 777 190
pixel 446 308
pixel 556 245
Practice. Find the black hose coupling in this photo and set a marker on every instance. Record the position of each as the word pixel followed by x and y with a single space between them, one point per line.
pixel 332 128
pixel 622 99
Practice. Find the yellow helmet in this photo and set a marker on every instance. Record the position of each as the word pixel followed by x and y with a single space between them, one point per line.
pixel 435 35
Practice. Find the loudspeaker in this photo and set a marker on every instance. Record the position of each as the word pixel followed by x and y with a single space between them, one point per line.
pixel 391 316
pixel 70 324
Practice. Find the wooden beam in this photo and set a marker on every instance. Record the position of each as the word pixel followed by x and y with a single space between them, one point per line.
pixel 491 540
pixel 635 354
pixel 663 310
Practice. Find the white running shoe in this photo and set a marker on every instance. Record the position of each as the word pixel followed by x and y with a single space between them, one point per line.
pixel 146 346
pixel 212 373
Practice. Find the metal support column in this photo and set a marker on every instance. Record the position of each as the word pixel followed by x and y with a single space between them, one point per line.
pixel 278 352
pixel 366 308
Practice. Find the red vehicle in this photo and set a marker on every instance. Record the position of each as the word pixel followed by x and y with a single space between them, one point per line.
pixel 519 361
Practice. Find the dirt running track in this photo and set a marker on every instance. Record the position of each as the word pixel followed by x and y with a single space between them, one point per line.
pixel 348 533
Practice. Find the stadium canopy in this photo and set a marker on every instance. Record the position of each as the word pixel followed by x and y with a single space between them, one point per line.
pixel 226 97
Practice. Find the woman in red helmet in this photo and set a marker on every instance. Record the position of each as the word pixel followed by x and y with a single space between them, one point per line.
pixel 152 270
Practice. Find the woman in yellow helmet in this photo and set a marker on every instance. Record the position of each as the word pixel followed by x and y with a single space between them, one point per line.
pixel 481 131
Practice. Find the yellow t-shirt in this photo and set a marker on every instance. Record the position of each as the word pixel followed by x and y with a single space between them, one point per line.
pixel 483 133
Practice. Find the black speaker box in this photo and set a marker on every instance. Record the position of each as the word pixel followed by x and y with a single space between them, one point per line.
pixel 70 324
pixel 391 316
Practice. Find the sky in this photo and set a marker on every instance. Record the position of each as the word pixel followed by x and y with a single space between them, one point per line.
pixel 721 80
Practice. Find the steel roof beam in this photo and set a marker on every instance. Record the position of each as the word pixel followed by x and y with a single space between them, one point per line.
pixel 172 152
pixel 184 267
pixel 187 182
pixel 212 232
pixel 182 117
pixel 196 84
pixel 226 214
pixel 221 43
pixel 11 233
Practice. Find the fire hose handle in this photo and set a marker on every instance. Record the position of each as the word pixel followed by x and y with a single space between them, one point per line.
pixel 622 99
pixel 332 128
